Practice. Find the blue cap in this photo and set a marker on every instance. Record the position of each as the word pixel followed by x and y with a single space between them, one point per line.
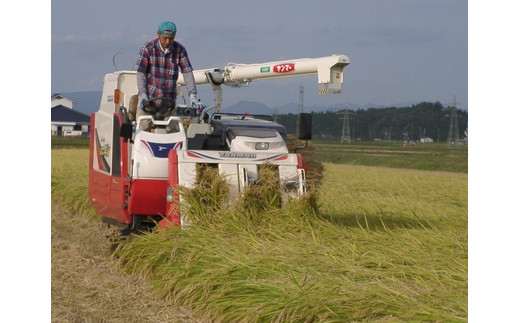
pixel 167 28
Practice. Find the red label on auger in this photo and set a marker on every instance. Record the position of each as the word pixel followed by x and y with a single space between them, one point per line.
pixel 283 68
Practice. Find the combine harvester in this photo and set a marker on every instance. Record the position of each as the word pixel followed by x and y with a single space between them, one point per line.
pixel 134 174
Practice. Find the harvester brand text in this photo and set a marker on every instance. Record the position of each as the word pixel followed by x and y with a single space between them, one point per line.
pixel 236 155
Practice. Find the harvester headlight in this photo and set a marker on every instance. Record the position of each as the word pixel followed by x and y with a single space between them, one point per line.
pixel 262 146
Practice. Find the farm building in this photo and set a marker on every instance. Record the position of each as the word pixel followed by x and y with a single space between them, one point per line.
pixel 426 140
pixel 58 99
pixel 65 121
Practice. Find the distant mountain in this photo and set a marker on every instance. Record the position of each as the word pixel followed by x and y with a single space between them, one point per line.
pixel 249 107
pixel 260 108
pixel 88 102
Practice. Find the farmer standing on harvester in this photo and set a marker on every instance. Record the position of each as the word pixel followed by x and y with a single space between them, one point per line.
pixel 158 66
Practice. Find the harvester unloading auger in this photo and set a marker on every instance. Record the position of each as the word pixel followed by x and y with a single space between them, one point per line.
pixel 134 175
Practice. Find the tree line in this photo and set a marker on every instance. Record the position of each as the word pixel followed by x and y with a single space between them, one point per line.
pixel 421 120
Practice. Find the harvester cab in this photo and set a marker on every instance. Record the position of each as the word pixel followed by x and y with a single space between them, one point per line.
pixel 136 165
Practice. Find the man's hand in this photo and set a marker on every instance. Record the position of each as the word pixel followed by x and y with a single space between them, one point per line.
pixel 142 99
pixel 195 103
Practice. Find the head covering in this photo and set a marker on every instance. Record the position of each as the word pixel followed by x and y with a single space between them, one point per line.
pixel 167 28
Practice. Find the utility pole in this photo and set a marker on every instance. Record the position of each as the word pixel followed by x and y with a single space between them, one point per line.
pixel 453 135
pixel 300 108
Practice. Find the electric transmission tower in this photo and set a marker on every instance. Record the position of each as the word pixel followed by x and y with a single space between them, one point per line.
pixel 453 135
pixel 346 125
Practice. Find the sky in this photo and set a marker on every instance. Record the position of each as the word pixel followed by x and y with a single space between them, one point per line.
pixel 401 51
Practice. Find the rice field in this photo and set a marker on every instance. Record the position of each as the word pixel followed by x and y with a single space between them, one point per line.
pixel 370 243
pixel 429 156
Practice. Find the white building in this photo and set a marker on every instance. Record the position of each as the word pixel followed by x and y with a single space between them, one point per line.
pixel 65 121
pixel 58 99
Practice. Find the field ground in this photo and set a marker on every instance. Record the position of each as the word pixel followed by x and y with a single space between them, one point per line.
pixel 391 245
pixel 86 287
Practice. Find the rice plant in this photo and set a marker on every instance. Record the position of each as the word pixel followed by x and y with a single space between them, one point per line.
pixel 69 179
pixel 370 244
pixel 391 259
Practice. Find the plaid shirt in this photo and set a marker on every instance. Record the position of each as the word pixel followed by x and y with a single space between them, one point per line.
pixel 162 69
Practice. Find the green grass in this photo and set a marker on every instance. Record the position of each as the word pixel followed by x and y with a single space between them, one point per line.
pixel 437 157
pixel 69 142
pixel 383 244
